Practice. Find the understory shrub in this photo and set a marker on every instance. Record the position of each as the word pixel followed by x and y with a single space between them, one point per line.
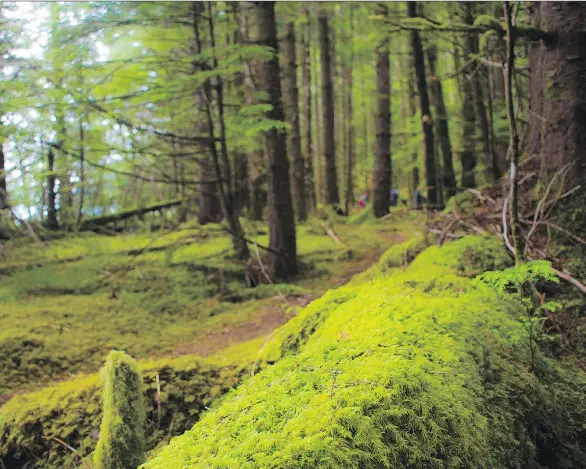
pixel 415 368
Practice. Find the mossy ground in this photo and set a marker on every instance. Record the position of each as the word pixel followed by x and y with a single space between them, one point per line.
pixel 64 309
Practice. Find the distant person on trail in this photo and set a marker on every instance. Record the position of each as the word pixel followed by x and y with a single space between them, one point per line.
pixel 418 199
pixel 394 197
pixel 363 200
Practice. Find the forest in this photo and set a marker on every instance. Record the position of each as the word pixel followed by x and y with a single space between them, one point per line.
pixel 293 235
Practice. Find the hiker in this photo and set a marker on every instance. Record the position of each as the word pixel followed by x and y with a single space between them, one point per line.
pixel 418 199
pixel 363 200
pixel 394 197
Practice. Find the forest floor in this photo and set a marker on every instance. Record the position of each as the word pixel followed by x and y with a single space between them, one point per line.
pixel 65 303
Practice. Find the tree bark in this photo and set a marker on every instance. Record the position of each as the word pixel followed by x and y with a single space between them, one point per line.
pixel 557 116
pixel 426 119
pixel 443 133
pixel 493 172
pixel 306 85
pixel 51 222
pixel 4 200
pixel 257 195
pixel 291 104
pixel 349 112
pixel 381 200
pixel 226 183
pixel 331 176
pixel 468 152
pixel 508 70
pixel 281 218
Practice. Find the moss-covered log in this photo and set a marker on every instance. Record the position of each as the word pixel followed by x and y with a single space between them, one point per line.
pixel 97 222
pixel 408 368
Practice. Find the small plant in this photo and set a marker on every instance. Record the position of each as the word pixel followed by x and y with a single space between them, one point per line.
pixel 122 434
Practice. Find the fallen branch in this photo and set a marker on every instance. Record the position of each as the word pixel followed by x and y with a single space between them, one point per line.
pixel 568 278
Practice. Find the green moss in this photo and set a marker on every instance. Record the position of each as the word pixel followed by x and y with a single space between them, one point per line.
pixel 414 368
pixel 121 444
pixel 72 410
pixel 83 295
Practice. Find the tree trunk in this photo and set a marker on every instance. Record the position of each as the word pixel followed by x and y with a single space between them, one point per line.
pixel 224 173
pixel 4 200
pixel 426 120
pixel 256 193
pixel 557 116
pixel 306 85
pixel 474 74
pixel 468 152
pixel 558 73
pixel 350 150
pixel 448 177
pixel 281 219
pixel 291 104
pixel 51 222
pixel 508 70
pixel 210 208
pixel 381 200
pixel 331 176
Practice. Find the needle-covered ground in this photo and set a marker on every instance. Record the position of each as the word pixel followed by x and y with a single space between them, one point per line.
pixel 65 303
pixel 417 367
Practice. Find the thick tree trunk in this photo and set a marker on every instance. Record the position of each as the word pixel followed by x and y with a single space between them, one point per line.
pixel 291 104
pixel 331 176
pixel 381 200
pixel 443 134
pixel 281 219
pixel 558 93
pixel 51 222
pixel 426 119
pixel 306 85
pixel 557 117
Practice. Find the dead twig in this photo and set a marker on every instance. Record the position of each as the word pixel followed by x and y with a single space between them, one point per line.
pixel 70 448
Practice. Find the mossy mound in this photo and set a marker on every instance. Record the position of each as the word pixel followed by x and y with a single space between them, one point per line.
pixel 31 425
pixel 412 368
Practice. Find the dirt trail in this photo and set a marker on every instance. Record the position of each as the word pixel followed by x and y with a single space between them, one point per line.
pixel 275 315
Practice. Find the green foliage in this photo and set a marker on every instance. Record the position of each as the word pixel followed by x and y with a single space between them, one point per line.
pixel 531 271
pixel 121 444
pixel 412 369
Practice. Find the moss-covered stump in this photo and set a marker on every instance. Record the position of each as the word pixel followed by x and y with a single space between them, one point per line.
pixel 422 367
pixel 121 444
pixel 31 425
